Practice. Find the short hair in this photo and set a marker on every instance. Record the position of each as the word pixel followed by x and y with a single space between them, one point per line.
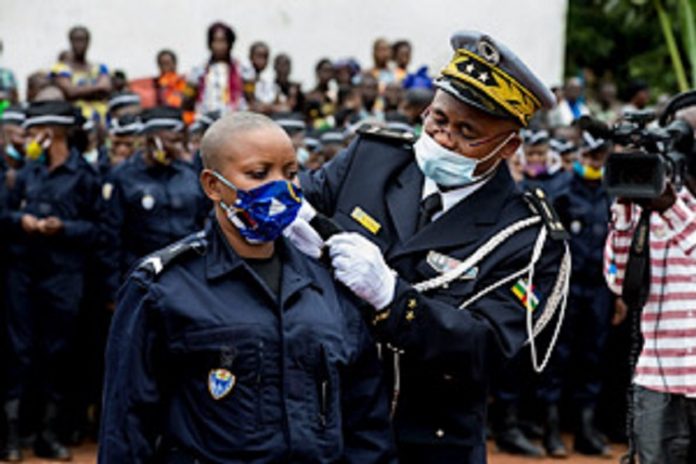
pixel 258 44
pixel 230 36
pixel 321 63
pixel 164 52
pixel 75 29
pixel 398 44
pixel 225 128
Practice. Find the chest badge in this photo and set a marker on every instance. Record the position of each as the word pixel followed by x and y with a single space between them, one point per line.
pixel 442 263
pixel 148 201
pixel 107 191
pixel 365 220
pixel 220 383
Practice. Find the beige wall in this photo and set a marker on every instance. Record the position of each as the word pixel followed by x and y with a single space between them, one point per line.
pixel 127 33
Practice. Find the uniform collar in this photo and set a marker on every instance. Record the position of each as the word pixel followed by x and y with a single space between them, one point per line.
pixel 453 196
pixel 221 259
pixel 72 162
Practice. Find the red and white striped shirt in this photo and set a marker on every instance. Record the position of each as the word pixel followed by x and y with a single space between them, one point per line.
pixel 667 362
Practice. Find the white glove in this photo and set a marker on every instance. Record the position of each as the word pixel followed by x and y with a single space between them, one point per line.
pixel 302 235
pixel 359 265
pixel 307 211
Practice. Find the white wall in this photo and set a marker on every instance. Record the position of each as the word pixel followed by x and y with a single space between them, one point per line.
pixel 127 33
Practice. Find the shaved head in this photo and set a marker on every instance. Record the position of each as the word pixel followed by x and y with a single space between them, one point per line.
pixel 224 131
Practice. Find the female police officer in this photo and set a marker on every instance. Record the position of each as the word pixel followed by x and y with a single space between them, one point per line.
pixel 231 346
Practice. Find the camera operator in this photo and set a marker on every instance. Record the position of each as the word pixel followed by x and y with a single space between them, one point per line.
pixel 664 396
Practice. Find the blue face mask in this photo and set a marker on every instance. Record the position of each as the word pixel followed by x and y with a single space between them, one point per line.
pixel 13 153
pixel 262 213
pixel 449 168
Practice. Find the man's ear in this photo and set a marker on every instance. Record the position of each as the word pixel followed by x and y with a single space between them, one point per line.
pixel 511 147
pixel 210 185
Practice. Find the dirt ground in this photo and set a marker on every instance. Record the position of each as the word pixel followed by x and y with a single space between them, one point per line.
pixel 86 454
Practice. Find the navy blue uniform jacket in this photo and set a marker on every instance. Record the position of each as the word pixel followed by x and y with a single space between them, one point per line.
pixel 149 208
pixel 308 385
pixel 449 354
pixel 69 192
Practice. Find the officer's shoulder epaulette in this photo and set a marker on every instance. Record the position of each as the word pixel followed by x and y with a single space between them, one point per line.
pixel 385 134
pixel 157 262
pixel 538 202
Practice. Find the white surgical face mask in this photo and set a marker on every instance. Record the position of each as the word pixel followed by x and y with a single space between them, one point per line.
pixel 449 168
pixel 91 156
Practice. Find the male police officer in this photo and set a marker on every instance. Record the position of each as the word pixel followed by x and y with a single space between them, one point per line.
pixel 155 198
pixel 54 219
pixel 124 138
pixel 457 288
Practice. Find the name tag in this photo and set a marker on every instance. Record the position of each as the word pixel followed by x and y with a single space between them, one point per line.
pixel 365 220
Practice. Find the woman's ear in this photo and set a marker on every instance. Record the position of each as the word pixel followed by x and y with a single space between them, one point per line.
pixel 210 185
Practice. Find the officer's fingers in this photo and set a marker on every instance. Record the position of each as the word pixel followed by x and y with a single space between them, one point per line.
pixel 340 250
pixel 307 233
pixel 345 239
pixel 341 262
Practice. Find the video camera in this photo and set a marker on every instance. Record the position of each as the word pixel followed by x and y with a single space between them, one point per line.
pixel 651 157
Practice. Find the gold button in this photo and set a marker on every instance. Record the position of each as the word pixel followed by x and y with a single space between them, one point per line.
pixel 380 316
pixel 439 433
pixel 410 315
pixel 412 303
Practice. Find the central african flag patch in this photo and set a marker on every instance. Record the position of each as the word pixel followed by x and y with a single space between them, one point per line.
pixel 521 291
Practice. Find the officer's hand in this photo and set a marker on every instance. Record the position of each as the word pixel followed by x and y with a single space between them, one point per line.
pixel 305 238
pixel 302 235
pixel 51 226
pixel 360 266
pixel 30 223
pixel 620 311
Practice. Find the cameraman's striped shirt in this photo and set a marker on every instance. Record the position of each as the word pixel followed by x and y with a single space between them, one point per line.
pixel 667 362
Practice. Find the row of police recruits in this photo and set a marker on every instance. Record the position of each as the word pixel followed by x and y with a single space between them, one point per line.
pixel 575 370
pixel 355 313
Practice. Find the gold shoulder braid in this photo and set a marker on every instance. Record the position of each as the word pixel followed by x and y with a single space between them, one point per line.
pixel 495 83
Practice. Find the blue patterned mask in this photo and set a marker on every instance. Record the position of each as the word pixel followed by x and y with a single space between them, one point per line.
pixel 262 213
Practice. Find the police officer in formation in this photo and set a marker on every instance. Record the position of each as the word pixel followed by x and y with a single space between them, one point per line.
pixel 53 219
pixel 584 210
pixel 231 345
pixel 124 138
pixel 154 198
pixel 539 170
pixel 457 269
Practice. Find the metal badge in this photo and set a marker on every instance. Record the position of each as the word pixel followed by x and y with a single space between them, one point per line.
pixel 148 201
pixel 107 191
pixel 442 263
pixel 488 51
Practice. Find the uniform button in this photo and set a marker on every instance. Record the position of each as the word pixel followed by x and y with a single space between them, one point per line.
pixel 412 303
pixel 439 433
pixel 410 315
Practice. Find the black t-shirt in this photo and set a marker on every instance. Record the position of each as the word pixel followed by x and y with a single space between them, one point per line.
pixel 270 270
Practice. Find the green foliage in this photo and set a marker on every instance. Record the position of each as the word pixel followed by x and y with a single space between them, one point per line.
pixel 624 40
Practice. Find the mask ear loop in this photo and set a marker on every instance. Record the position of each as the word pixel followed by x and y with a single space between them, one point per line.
pixel 224 180
pixel 494 152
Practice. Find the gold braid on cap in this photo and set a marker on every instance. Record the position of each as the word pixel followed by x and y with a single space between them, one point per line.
pixel 472 70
